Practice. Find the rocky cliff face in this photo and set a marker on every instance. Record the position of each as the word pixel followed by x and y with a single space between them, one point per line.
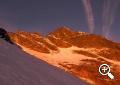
pixel 32 41
pixel 79 53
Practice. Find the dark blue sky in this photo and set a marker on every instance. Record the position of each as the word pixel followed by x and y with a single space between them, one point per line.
pixel 46 15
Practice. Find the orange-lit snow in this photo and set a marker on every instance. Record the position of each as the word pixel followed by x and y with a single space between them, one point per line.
pixel 64 55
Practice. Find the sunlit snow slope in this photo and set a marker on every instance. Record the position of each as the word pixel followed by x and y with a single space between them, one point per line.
pixel 19 68
pixel 79 53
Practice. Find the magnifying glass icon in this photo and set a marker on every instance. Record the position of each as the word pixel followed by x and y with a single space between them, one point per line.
pixel 104 69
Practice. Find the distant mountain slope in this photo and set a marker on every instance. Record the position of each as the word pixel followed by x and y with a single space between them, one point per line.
pixel 79 53
pixel 19 68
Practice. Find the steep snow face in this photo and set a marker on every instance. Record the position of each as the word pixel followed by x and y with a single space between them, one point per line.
pixel 68 56
pixel 65 55
pixel 19 68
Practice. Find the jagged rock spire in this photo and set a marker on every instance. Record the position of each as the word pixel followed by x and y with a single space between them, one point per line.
pixel 4 35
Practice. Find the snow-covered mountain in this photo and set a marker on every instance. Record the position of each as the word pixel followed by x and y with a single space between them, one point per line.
pixel 20 68
pixel 79 53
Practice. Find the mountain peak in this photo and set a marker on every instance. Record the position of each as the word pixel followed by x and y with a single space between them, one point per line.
pixel 62 32
pixel 74 50
pixel 63 29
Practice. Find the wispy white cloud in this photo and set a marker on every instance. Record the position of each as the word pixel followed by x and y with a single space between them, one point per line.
pixel 108 16
pixel 89 14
